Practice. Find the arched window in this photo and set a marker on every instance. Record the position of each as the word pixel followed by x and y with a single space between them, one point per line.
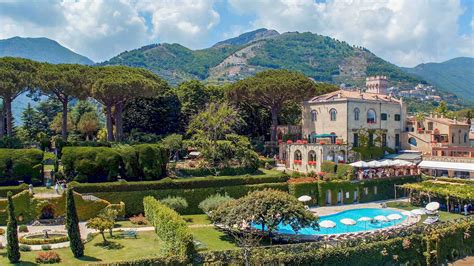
pixel 371 116
pixel 314 115
pixel 298 155
pixel 412 141
pixel 333 114
pixel 311 157
pixel 356 114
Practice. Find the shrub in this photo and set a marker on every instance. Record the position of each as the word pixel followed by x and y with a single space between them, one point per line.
pixel 20 165
pixel 328 167
pixel 13 189
pixel 41 241
pixel 212 202
pixel 345 171
pixel 48 257
pixel 45 247
pixel 23 228
pixel 25 248
pixel 176 203
pixel 170 227
pixel 138 219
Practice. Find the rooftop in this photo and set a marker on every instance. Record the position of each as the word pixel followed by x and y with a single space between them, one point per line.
pixel 446 121
pixel 355 95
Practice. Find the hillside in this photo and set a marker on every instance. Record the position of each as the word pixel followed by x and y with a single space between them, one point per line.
pixel 319 57
pixel 455 76
pixel 42 50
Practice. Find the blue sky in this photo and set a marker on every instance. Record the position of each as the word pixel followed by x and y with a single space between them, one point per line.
pixel 404 32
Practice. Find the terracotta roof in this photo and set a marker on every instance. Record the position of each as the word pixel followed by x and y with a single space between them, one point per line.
pixel 344 94
pixel 447 121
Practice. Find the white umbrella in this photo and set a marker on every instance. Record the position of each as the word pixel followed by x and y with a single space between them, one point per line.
pixel 394 216
pixel 327 224
pixel 418 212
pixel 407 213
pixel 380 218
pixel 348 222
pixel 304 198
pixel 373 164
pixel 359 164
pixel 432 206
pixel 365 220
pixel 403 163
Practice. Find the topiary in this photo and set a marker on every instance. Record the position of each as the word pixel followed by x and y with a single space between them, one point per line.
pixel 23 229
pixel 72 225
pixel 13 249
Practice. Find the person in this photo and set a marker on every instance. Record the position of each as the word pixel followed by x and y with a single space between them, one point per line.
pixel 465 209
pixel 30 188
pixel 56 188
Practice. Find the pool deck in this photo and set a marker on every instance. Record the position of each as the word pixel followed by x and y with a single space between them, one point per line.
pixel 327 210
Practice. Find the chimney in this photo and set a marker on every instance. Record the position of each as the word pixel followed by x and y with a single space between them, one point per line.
pixel 455 120
pixel 431 114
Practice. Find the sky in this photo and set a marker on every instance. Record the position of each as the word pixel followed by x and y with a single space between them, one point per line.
pixel 404 32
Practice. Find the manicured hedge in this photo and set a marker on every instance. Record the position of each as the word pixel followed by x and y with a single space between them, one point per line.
pixel 328 167
pixel 227 171
pixel 103 164
pixel 21 165
pixel 13 189
pixel 182 183
pixel 298 189
pixel 43 241
pixel 25 208
pixel 163 260
pixel 133 199
pixel 345 171
pixel 170 228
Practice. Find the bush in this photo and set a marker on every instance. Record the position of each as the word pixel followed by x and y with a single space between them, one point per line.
pixel 170 228
pixel 177 204
pixel 23 228
pixel 226 171
pixel 48 257
pixel 45 247
pixel 25 248
pixel 212 202
pixel 21 165
pixel 328 167
pixel 263 162
pixel 13 189
pixel 345 171
pixel 138 219
pixel 43 241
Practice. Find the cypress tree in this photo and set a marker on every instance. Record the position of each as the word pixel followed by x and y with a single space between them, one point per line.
pixel 13 248
pixel 72 225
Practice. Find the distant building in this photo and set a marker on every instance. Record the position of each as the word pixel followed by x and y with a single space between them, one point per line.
pixel 376 84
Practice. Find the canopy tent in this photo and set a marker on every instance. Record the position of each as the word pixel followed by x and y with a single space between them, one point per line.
pixel 382 163
pixel 373 164
pixel 359 164
pixel 402 163
pixel 439 165
pixel 323 135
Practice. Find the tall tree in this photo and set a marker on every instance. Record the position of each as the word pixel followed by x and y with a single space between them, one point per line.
pixel 273 89
pixel 193 97
pixel 29 118
pixel 65 82
pixel 46 111
pixel 88 124
pixel 17 75
pixel 72 225
pixel 13 248
pixel 115 85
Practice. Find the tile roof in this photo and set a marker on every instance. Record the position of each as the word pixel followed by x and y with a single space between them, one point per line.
pixel 344 94
pixel 447 121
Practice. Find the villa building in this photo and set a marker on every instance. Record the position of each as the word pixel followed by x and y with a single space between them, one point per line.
pixel 331 125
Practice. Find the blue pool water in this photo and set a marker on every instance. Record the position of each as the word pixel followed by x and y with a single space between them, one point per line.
pixel 341 228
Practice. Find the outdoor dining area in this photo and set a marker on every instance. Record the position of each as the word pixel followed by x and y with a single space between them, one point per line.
pixel 384 168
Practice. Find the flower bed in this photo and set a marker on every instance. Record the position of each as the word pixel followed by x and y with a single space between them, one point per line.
pixel 37 238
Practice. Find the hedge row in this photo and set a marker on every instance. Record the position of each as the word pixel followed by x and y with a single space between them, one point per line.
pixel 21 165
pixel 183 183
pixel 170 228
pixel 102 164
pixel 227 171
pixel 13 189
pixel 133 199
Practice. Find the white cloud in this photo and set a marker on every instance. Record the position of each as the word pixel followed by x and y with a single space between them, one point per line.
pixel 101 29
pixel 405 32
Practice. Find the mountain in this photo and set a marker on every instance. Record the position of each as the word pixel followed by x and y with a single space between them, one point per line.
pixel 319 57
pixel 455 76
pixel 42 50
pixel 38 49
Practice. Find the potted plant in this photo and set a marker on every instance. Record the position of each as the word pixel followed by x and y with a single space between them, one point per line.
pixel 322 142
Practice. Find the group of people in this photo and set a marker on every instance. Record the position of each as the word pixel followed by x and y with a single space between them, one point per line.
pixel 60 186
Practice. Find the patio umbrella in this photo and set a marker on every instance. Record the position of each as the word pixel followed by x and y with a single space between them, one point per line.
pixel 327 224
pixel 348 222
pixel 418 212
pixel 365 220
pixel 394 217
pixel 432 206
pixel 359 164
pixel 304 198
pixel 373 164
pixel 407 213
pixel 380 218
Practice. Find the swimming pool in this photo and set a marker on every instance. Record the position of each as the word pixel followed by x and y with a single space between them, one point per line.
pixel 341 228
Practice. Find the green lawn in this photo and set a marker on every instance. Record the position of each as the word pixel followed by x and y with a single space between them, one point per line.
pixel 443 216
pixel 196 219
pixel 212 239
pixel 146 245
pixel 129 224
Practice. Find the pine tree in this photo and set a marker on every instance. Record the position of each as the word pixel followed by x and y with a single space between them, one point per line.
pixel 13 249
pixel 29 118
pixel 72 226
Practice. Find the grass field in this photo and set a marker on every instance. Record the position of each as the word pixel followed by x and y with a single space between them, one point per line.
pixel 146 245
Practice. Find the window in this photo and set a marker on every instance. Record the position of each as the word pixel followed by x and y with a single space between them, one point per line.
pixel 314 115
pixel 371 116
pixel 356 114
pixel 356 140
pixel 348 195
pixel 397 140
pixel 383 116
pixel 452 138
pixel 384 140
pixel 465 137
pixel 412 141
pixel 333 114
pixel 298 155
pixel 430 125
pixel 371 139
pixel 366 191
pixel 311 156
pixel 375 190
pixel 397 117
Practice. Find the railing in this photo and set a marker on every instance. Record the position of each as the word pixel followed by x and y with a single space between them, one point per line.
pixel 449 159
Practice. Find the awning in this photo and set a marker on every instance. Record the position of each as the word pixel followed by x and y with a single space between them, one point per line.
pixel 323 135
pixel 465 167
